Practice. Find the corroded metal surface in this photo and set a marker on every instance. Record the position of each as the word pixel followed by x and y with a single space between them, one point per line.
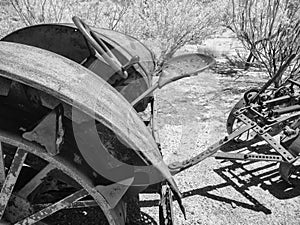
pixel 285 171
pixel 68 169
pixel 166 213
pixel 35 181
pixel 130 45
pixel 49 132
pixel 64 203
pixel 177 167
pixel 114 192
pixel 184 66
pixel 2 166
pixel 60 39
pixel 85 91
pixel 65 40
pixel 11 179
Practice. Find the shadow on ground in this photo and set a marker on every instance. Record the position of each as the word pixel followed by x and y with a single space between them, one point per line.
pixel 145 219
pixel 243 176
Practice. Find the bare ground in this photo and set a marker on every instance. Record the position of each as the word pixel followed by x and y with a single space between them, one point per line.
pixel 192 114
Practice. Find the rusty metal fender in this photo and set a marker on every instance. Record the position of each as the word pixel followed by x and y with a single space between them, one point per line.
pixel 87 92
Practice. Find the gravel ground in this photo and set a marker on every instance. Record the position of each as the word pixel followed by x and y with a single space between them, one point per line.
pixel 192 114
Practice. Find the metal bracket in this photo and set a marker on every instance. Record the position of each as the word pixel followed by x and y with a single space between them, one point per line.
pixel 250 157
pixel 177 167
pixel 113 193
pixel 262 132
pixel 49 132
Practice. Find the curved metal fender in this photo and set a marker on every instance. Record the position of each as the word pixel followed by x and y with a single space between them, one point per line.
pixel 84 90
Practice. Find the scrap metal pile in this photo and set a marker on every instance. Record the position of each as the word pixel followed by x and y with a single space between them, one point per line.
pixel 72 145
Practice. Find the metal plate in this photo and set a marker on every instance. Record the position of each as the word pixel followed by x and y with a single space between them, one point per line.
pixel 184 66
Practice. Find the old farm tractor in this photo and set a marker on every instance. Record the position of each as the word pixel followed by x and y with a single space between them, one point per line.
pixel 73 146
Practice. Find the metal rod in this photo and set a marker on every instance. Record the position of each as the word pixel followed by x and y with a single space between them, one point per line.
pixel 279 73
pixel 285 110
pixel 145 94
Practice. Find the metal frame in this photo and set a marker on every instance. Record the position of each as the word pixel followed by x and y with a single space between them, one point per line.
pixel 72 201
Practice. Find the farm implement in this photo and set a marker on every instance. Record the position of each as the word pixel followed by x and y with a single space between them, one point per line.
pixel 73 148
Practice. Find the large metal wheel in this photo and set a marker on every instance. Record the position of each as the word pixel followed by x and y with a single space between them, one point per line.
pixel 234 124
pixel 40 187
pixel 37 187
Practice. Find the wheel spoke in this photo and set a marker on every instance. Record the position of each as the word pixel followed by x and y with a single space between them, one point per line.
pixel 35 182
pixel 11 179
pixel 64 203
pixel 19 210
pixel 2 167
pixel 74 205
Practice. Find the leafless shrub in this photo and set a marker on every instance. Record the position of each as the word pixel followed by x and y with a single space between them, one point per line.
pixel 105 13
pixel 41 11
pixel 166 25
pixel 108 13
pixel 171 24
pixel 270 30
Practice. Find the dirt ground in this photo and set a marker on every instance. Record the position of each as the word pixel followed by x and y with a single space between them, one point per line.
pixel 192 114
